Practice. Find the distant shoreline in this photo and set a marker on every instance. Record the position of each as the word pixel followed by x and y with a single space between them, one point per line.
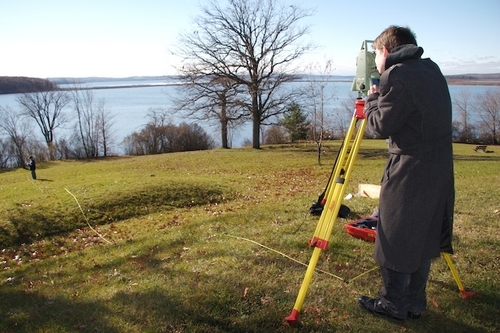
pixel 453 82
pixel 463 79
pixel 14 85
pixel 458 82
pixel 123 87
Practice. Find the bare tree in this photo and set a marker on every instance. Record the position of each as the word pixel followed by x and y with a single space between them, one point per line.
pixel 46 108
pixel 212 98
pixel 93 122
pixel 153 135
pixel 344 116
pixel 104 122
pixel 154 138
pixel 192 137
pixel 463 128
pixel 316 97
pixel 158 136
pixel 252 43
pixel 488 110
pixel 5 153
pixel 83 104
pixel 18 131
pixel 275 134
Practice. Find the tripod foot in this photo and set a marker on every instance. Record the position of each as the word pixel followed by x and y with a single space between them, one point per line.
pixel 466 294
pixel 293 317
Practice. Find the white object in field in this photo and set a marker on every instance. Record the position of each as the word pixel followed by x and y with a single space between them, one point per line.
pixel 369 190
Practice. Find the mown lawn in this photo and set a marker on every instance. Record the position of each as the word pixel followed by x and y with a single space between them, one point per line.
pixel 213 241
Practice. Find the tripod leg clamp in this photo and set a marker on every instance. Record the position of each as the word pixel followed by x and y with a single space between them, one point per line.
pixel 318 242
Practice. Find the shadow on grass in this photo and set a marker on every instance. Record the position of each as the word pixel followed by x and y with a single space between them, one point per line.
pixel 374 153
pixel 165 286
pixel 31 223
pixel 482 309
pixel 28 312
pixel 213 303
pixel 150 311
pixel 383 153
pixel 7 170
pixel 487 158
pixel 166 296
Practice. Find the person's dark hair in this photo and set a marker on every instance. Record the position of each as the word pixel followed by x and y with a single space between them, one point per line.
pixel 393 37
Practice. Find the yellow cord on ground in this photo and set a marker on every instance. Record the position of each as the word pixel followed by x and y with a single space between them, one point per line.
pixel 86 219
pixel 301 263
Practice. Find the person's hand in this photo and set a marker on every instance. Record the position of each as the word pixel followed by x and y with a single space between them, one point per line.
pixel 374 89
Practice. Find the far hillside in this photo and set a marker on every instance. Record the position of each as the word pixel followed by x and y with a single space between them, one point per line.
pixel 474 79
pixel 21 84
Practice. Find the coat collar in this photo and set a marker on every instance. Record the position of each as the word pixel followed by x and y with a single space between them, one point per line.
pixel 402 53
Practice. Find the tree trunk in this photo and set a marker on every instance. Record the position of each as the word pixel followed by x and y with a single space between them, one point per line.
pixel 255 121
pixel 52 155
pixel 224 135
pixel 319 153
pixel 256 133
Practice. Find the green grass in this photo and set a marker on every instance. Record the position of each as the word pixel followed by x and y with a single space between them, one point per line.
pixel 203 241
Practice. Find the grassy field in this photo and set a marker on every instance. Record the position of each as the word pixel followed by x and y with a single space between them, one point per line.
pixel 216 241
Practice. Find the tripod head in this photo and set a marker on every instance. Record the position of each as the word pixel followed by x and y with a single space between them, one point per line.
pixel 366 70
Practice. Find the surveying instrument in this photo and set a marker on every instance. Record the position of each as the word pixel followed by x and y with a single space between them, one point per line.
pixel 366 76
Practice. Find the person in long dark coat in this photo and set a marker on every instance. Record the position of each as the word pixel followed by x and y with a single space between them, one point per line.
pixel 412 108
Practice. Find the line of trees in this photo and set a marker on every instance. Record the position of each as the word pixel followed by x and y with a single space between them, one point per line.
pixel 161 136
pixel 46 110
pixel 92 133
pixel 484 108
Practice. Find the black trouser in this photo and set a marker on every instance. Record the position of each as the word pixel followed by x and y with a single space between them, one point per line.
pixel 405 292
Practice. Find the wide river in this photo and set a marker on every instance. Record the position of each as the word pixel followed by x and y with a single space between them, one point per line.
pixel 129 105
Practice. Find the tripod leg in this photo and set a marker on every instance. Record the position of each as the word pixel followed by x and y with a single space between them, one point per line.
pixel 464 293
pixel 334 198
pixel 294 315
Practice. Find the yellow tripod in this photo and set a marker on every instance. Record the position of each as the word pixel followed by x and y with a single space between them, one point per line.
pixel 334 195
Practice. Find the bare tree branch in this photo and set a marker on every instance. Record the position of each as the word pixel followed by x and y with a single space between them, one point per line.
pixel 250 42
pixel 488 110
pixel 46 108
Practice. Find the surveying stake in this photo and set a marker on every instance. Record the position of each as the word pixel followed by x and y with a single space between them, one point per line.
pixel 366 76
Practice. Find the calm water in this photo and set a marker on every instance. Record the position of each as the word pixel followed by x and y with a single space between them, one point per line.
pixel 129 105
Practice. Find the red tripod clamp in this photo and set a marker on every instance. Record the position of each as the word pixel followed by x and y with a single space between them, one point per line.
pixel 359 111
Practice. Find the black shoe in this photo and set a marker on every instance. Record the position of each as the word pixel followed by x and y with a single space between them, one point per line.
pixel 413 315
pixel 374 306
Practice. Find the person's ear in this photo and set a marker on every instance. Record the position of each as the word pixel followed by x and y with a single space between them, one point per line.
pixel 385 51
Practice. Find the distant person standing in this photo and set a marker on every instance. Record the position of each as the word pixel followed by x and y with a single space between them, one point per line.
pixel 32 166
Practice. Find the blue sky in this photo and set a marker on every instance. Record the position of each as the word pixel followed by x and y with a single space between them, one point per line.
pixel 121 38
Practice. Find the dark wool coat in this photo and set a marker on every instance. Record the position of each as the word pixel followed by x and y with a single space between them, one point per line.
pixel 413 109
